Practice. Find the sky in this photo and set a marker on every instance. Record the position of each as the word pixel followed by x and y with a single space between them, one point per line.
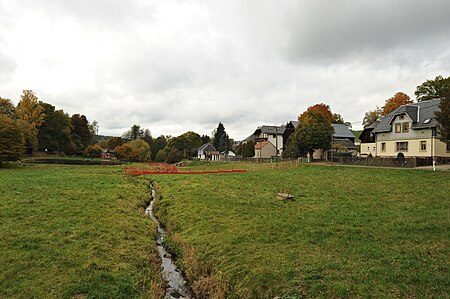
pixel 177 65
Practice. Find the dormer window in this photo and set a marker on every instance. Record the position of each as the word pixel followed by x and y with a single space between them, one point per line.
pixel 398 128
pixel 405 127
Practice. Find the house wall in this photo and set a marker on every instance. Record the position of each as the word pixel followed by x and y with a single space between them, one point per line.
pixel 368 148
pixel 268 151
pixel 434 147
pixel 440 148
pixel 272 140
pixel 318 154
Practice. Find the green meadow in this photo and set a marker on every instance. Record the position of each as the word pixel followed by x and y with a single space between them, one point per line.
pixel 81 232
pixel 76 232
pixel 350 232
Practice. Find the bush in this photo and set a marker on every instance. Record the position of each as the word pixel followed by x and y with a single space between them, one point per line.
pixel 140 151
pixel 174 156
pixel 93 151
pixel 137 150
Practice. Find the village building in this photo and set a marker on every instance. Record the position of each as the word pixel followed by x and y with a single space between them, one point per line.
pixel 208 152
pixel 265 150
pixel 411 130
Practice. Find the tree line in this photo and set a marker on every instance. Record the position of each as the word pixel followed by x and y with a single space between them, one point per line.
pixel 137 144
pixel 35 125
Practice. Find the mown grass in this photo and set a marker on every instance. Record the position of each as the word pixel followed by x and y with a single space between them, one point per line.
pixel 76 231
pixel 350 232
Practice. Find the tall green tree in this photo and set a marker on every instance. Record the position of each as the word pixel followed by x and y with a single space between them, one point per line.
pixel 12 143
pixel 221 141
pixel 291 149
pixel 248 149
pixel 220 138
pixel 93 128
pixel 55 133
pixel 205 139
pixel 186 143
pixel 147 137
pixel 432 89
pixel 158 144
pixel 134 133
pixel 313 132
pixel 443 116
pixel 81 133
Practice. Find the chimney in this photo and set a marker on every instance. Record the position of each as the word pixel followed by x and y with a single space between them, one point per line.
pixel 418 113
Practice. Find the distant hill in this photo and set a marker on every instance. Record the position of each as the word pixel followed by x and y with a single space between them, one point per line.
pixel 357 134
pixel 97 138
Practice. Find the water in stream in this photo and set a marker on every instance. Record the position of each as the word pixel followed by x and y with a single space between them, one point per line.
pixel 177 286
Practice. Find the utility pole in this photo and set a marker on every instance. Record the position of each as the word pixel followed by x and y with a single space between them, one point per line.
pixel 276 144
pixel 332 149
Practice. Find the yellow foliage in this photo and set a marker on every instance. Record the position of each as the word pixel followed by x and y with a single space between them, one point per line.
pixel 29 109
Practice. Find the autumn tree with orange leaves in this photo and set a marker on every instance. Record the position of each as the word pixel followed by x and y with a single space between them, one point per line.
pixel 396 101
pixel 313 132
pixel 320 108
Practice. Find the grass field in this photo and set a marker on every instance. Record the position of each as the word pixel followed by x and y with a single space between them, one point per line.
pixel 75 231
pixel 350 232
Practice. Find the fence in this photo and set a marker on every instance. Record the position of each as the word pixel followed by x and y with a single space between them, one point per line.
pixel 210 168
pixel 408 162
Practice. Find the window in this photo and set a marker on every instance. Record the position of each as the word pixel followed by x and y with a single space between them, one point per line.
pixel 383 146
pixel 402 146
pixel 398 128
pixel 274 136
pixel 427 120
pixel 405 128
pixel 401 117
pixel 423 145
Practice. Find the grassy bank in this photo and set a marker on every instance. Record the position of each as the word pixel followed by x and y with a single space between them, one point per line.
pixel 350 232
pixel 78 231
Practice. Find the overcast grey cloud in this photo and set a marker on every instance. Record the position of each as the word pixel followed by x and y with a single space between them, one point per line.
pixel 173 66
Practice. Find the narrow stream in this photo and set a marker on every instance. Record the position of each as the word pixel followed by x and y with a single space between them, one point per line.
pixel 177 286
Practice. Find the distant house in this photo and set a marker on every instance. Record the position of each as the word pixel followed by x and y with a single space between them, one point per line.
pixel 343 138
pixel 411 130
pixel 108 154
pixel 265 150
pixel 208 152
pixel 273 134
pixel 227 156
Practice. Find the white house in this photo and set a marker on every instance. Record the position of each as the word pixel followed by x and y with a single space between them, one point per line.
pixel 411 130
